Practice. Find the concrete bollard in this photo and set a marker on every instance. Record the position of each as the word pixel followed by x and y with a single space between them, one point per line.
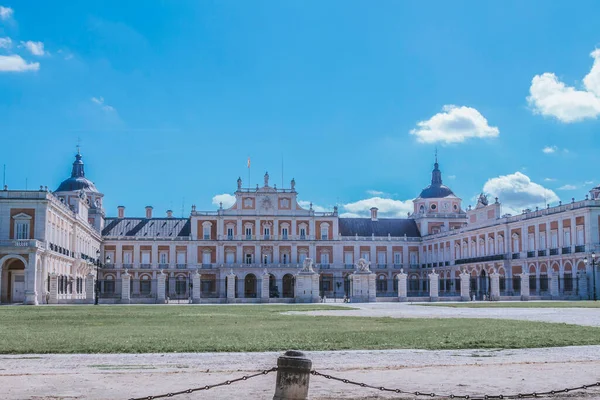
pixel 293 375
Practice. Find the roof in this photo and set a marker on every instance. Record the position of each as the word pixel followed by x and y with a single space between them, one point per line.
pixel 155 228
pixel 436 190
pixel 396 227
pixel 77 181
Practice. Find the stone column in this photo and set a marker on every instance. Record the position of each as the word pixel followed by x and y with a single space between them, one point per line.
pixel 495 285
pixel 524 286
pixel 553 283
pixel 306 287
pixel 125 283
pixel 434 286
pixel 293 376
pixel 583 285
pixel 53 289
pixel 402 289
pixel 90 288
pixel 196 288
pixel 31 280
pixel 161 296
pixel 465 286
pixel 264 293
pixel 231 287
pixel 363 287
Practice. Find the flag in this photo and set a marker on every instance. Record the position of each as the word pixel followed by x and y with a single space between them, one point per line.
pixel 248 162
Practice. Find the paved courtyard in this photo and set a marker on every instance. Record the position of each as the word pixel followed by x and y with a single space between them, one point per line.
pixel 577 316
pixel 114 376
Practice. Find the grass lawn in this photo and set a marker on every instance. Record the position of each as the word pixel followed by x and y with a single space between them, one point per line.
pixel 149 329
pixel 520 304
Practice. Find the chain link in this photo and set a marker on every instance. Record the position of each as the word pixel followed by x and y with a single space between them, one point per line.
pixel 207 387
pixel 453 396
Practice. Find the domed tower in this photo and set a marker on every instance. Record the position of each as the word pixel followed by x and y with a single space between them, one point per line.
pixel 437 208
pixel 81 195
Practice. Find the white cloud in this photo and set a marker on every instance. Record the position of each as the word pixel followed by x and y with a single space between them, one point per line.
pixel 567 187
pixel 549 179
pixel 5 13
pixel 454 125
pixel 227 199
pixel 5 43
pixel 549 149
pixel 375 192
pixel 551 97
pixel 35 48
pixel 100 102
pixel 15 63
pixel 387 207
pixel 517 192
pixel 317 208
pixel 588 183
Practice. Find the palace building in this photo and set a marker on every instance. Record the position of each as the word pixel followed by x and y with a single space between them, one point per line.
pixel 59 247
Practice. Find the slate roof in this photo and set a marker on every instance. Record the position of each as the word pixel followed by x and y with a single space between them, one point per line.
pixel 382 227
pixel 147 228
pixel 77 181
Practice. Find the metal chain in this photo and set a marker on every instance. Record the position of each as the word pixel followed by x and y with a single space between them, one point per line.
pixel 453 396
pixel 188 391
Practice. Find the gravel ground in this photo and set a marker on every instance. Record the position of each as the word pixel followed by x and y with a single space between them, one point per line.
pixel 577 316
pixel 472 372
pixel 121 376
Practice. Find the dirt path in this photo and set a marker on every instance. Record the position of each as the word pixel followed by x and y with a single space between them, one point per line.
pixel 121 376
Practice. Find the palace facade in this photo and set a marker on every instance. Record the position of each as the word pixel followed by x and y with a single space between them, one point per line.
pixel 59 247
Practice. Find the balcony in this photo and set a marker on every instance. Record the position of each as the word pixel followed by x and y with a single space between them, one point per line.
pixel 530 254
pixel 145 266
pixel 516 256
pixel 206 266
pixel 553 252
pixel 580 249
pixel 181 266
pixel 127 266
pixel 541 253
pixel 496 257
pixel 325 266
pixel 381 266
pixel 21 243
pixel 414 266
pixel 348 266
pixel 206 237
pixel 566 250
pixel 163 266
pixel 229 237
pixel 109 266
pixel 397 266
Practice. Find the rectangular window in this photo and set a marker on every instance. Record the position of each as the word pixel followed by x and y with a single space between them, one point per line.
pixel 22 230
pixel 229 257
pixel 284 233
pixel 325 258
pixel 302 257
pixel 531 242
pixel 230 233
pixel 145 287
pixel 248 233
pixel 324 233
pixel 302 233
pixel 381 258
pixel 554 239
pixel 181 257
pixel 365 255
pixel 267 233
pixel 348 258
pixel 397 258
pixel 567 238
pixel 163 258
pixel 206 232
pixel 580 236
pixel 248 258
pixel 127 257
pixel 206 258
pixel 413 258
pixel 145 257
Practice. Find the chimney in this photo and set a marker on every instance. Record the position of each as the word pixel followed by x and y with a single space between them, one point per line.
pixel 169 213
pixel 374 213
pixel 121 211
pixel 148 212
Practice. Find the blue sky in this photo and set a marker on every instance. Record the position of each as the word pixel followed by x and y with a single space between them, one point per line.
pixel 169 99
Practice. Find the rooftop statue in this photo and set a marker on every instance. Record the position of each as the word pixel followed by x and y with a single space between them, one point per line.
pixel 363 265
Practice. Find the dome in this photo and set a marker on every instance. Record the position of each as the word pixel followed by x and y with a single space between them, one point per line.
pixel 77 181
pixel 436 190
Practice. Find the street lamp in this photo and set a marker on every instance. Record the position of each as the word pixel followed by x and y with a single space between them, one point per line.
pixel 585 260
pixel 98 265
